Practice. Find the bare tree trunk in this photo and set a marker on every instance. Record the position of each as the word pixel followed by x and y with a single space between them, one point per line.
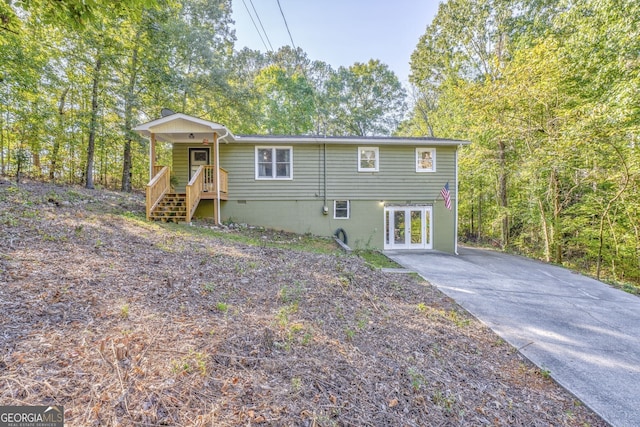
pixel 2 150
pixel 545 228
pixel 2 126
pixel 35 154
pixel 636 230
pixel 56 141
pixel 610 203
pixel 479 217
pixel 91 146
pixel 186 88
pixel 557 208
pixel 425 107
pixel 126 166
pixel 18 169
pixel 21 161
pixel 502 193
pixel 471 231
pixel 616 248
pixel 128 117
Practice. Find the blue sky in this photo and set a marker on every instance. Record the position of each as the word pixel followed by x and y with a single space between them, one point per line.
pixel 340 32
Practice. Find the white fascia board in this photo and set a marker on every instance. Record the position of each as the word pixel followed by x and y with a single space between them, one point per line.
pixel 146 129
pixel 251 139
pixel 173 117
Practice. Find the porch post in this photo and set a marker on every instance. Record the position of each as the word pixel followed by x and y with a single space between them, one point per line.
pixel 152 155
pixel 216 209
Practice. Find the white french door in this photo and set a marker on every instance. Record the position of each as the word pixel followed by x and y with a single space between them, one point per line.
pixel 408 227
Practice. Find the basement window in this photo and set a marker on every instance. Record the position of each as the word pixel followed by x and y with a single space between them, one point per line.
pixel 341 209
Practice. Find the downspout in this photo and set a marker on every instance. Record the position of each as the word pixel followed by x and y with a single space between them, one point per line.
pixel 217 144
pixel 455 222
pixel 325 208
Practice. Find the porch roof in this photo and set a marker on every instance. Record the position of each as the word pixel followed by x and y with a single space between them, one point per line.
pixel 180 127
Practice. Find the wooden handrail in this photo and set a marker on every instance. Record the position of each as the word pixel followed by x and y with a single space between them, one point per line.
pixel 156 169
pixel 204 181
pixel 209 180
pixel 193 190
pixel 157 188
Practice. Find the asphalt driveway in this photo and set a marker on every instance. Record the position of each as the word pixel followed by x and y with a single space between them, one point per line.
pixel 584 332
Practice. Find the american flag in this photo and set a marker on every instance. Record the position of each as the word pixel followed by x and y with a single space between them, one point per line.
pixel 446 196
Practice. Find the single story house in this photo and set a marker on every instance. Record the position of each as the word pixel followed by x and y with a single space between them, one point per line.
pixel 372 192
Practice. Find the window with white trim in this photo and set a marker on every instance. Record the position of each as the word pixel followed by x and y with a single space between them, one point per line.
pixel 341 209
pixel 425 159
pixel 368 159
pixel 274 163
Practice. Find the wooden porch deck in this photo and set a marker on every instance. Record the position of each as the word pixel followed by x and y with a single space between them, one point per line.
pixel 163 205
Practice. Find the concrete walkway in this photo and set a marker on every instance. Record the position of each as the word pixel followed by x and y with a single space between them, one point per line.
pixel 584 332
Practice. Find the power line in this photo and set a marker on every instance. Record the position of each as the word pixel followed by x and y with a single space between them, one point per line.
pixel 256 27
pixel 261 26
pixel 286 25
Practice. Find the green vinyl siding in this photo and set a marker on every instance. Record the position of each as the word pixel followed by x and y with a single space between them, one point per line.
pixel 297 204
pixel 239 161
pixel 180 163
pixel 397 178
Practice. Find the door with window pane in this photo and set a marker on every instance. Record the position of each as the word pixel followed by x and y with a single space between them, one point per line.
pixel 197 157
pixel 407 227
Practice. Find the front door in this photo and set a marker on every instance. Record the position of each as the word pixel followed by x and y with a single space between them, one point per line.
pixel 197 157
pixel 407 227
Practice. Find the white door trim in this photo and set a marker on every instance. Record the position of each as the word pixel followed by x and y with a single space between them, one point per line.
pixel 403 235
pixel 194 163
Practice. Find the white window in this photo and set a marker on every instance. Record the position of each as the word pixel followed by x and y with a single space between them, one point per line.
pixel 274 163
pixel 341 209
pixel 368 159
pixel 425 159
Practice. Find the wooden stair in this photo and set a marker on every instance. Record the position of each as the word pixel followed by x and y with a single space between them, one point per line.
pixel 172 208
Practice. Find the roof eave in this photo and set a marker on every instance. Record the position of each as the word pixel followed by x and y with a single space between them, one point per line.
pixel 146 129
pixel 268 139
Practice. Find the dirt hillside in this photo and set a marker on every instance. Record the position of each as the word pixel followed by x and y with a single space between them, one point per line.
pixel 129 323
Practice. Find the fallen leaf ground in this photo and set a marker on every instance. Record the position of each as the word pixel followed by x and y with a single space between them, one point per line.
pixel 130 323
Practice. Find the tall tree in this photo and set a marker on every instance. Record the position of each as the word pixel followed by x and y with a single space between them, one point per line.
pixel 600 38
pixel 93 121
pixel 139 36
pixel 23 100
pixel 464 51
pixel 200 42
pixel 368 99
pixel 286 101
pixel 74 14
pixel 319 75
pixel 545 90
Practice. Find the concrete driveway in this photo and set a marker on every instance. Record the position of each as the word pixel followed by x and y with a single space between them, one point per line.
pixel 585 333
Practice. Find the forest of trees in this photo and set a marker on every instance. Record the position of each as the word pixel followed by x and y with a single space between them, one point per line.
pixel 77 75
pixel 549 94
pixel 547 91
